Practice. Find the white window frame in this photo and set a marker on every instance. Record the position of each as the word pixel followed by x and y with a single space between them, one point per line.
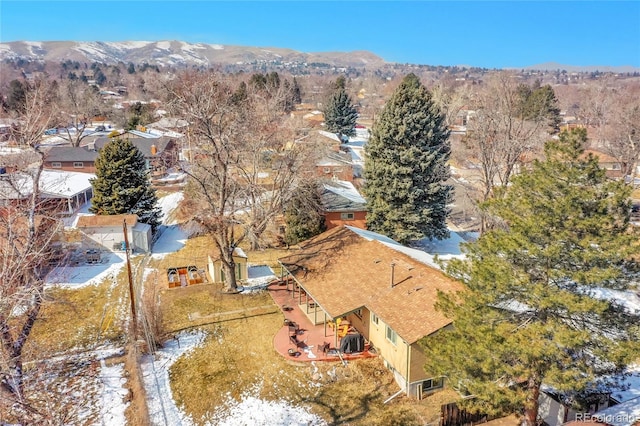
pixel 347 216
pixel 78 165
pixel 391 336
pixel 374 319
pixel 56 165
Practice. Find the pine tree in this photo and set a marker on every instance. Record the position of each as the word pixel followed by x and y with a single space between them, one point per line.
pixel 122 184
pixel 340 114
pixel 303 214
pixel 406 167
pixel 529 316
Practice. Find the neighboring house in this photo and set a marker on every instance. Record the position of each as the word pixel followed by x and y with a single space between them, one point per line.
pixel 343 205
pixel 612 166
pixel 160 153
pixel 390 300
pixel 335 165
pixel 61 192
pixel 107 232
pixel 216 271
pixel 71 159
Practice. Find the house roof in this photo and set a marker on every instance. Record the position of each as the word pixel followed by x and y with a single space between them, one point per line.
pixel 335 159
pixel 70 153
pixel 143 144
pixel 324 266
pixel 98 221
pixel 341 196
pixel 53 183
pixel 602 157
pixel 238 252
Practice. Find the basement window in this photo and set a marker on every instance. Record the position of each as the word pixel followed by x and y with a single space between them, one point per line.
pixel 431 384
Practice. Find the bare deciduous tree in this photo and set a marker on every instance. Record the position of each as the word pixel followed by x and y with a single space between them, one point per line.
pixel 242 171
pixel 27 232
pixel 500 134
pixel 79 103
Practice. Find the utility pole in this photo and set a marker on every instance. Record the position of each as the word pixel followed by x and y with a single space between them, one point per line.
pixel 131 297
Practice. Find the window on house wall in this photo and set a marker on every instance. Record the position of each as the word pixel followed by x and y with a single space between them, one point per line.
pixel 358 313
pixel 392 336
pixel 347 216
pixel 616 166
pixel 374 318
pixel 56 165
pixel 431 384
pixel 78 165
pixel 326 170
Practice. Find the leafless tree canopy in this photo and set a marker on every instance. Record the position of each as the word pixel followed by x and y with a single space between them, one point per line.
pixel 499 135
pixel 243 164
pixel 27 233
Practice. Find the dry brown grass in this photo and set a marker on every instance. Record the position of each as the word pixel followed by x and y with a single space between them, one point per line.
pixel 80 318
pixel 238 356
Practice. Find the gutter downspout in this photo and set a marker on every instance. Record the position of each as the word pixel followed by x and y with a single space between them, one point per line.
pixel 408 364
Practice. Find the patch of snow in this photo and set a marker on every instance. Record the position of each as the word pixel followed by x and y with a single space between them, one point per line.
pixel 90 50
pixel 129 44
pixel 251 410
pixel 624 414
pixel 217 47
pixel 113 394
pixel 164 45
pixel 155 374
pixel 629 299
pixel 172 238
pixel 168 204
pixel 86 275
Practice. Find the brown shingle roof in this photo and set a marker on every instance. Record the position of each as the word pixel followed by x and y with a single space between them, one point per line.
pixel 105 220
pixel 343 271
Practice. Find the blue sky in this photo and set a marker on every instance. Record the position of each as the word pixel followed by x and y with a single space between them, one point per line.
pixel 488 34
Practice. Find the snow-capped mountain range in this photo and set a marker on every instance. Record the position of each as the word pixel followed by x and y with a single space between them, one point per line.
pixel 176 53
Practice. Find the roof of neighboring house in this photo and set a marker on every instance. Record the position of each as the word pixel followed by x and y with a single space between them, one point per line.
pixel 324 266
pixel 236 252
pixel 341 196
pixel 53 184
pixel 98 221
pixel 624 414
pixel 143 144
pixel 70 153
pixel 335 159
pixel 602 157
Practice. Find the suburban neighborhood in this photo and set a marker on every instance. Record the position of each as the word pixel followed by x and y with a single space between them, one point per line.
pixel 295 243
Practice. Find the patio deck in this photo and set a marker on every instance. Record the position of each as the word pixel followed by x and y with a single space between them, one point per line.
pixel 311 337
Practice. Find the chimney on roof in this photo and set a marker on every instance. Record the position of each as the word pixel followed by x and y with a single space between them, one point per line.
pixel 393 265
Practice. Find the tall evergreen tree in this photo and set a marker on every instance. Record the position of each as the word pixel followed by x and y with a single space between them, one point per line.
pixel 530 316
pixel 122 184
pixel 303 214
pixel 340 114
pixel 406 167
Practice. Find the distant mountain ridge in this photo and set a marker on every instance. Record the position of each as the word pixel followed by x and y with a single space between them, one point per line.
pixel 553 66
pixel 176 53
